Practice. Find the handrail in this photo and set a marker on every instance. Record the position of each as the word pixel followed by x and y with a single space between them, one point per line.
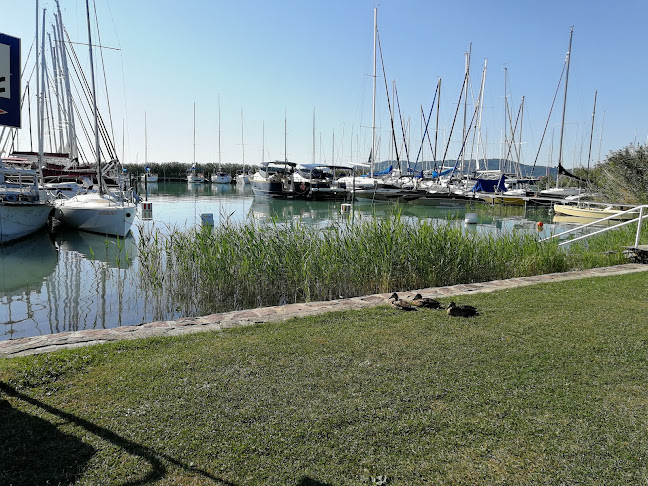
pixel 637 220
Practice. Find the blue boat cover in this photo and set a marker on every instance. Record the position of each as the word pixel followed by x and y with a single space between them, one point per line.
pixel 490 185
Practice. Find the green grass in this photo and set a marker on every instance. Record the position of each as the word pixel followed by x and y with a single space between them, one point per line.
pixel 546 386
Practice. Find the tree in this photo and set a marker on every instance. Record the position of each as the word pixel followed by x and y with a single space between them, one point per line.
pixel 624 175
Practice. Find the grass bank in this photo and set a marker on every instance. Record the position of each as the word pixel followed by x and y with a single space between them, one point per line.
pixel 246 265
pixel 546 386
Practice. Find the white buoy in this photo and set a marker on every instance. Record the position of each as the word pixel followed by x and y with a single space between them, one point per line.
pixel 207 219
pixel 345 208
pixel 471 218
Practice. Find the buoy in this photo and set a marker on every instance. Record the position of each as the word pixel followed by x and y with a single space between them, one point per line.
pixel 539 225
pixel 471 218
pixel 345 208
pixel 207 219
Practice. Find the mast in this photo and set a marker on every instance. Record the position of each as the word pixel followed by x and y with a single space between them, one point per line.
pixel 194 135
pixel 589 153
pixel 373 119
pixel 463 151
pixel 68 89
pixel 285 134
pixel 313 135
pixel 562 124
pixel 39 91
pixel 145 143
pixel 479 124
pixel 242 144
pixel 94 102
pixel 219 133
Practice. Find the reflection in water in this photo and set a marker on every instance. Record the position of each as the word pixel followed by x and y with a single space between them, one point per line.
pixel 24 266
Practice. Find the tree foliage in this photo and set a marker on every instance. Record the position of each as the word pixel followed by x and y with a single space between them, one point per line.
pixel 624 175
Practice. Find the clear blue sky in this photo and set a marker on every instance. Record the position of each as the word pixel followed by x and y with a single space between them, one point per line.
pixel 270 58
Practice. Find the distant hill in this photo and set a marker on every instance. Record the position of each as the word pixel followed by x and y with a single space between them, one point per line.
pixel 493 164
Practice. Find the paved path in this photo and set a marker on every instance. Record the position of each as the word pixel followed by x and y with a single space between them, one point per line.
pixel 52 342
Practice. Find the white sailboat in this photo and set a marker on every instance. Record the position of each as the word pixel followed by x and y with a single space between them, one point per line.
pixel 194 176
pixel 147 176
pixel 97 212
pixel 220 177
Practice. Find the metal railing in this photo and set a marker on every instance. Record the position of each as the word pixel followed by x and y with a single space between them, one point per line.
pixel 638 220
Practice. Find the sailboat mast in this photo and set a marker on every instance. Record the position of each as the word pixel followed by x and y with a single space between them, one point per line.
pixel 589 152
pixel 242 144
pixel 145 143
pixel 373 118
pixel 194 135
pixel 562 124
pixel 313 135
pixel 94 101
pixel 68 89
pixel 219 132
pixel 41 108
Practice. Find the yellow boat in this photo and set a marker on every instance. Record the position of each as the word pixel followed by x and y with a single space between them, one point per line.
pixel 593 213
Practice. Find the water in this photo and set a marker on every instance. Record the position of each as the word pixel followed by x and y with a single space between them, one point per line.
pixel 71 280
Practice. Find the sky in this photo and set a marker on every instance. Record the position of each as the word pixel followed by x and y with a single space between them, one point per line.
pixel 293 78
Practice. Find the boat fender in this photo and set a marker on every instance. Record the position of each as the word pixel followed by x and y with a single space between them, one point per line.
pixel 302 186
pixel 539 225
pixel 11 198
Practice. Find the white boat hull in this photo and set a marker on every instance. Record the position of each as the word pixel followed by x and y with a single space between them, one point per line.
pixel 95 213
pixel 221 179
pixel 22 219
pixel 592 212
pixel 149 177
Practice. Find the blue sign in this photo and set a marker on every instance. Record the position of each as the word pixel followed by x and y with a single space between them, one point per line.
pixel 9 81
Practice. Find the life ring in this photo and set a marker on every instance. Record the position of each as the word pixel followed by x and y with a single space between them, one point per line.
pixel 11 197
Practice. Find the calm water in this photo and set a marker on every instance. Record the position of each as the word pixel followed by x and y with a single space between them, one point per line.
pixel 72 280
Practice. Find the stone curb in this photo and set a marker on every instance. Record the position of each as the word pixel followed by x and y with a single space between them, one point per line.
pixel 66 340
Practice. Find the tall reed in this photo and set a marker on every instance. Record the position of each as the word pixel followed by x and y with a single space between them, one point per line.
pixel 246 265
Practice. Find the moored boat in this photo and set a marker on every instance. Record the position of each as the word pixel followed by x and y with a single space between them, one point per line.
pixel 593 212
pixel 23 208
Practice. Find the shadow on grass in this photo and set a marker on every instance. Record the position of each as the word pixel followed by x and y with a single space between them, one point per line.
pixel 34 451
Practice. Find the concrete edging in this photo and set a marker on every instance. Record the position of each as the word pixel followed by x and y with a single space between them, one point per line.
pixel 53 342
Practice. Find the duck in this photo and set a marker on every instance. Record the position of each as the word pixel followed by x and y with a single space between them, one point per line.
pixel 427 302
pixel 461 310
pixel 401 304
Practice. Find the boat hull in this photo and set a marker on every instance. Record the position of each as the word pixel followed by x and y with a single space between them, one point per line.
pixel 96 213
pixel 592 213
pixel 18 220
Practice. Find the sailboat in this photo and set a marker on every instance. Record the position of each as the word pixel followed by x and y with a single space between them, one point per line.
pixel 562 192
pixel 147 176
pixel 220 177
pixel 108 213
pixel 194 175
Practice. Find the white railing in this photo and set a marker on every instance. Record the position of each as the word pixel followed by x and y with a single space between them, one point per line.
pixel 638 220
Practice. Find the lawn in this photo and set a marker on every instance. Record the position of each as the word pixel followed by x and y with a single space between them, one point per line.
pixel 546 386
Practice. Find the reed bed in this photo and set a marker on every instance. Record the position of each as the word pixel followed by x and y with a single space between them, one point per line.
pixel 246 265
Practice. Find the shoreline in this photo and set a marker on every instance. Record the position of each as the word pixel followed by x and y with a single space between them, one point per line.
pixel 215 322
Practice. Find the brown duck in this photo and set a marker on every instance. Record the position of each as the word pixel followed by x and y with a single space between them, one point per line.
pixel 427 302
pixel 401 304
pixel 461 310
